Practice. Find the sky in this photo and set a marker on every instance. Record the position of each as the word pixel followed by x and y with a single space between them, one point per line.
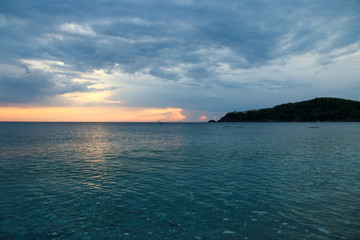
pixel 184 60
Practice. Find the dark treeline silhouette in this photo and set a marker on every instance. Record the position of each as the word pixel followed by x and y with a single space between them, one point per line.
pixel 318 109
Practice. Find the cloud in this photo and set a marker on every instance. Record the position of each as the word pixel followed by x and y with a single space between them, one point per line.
pixel 153 34
pixel 32 81
pixel 26 88
pixel 188 54
pixel 77 29
pixel 202 118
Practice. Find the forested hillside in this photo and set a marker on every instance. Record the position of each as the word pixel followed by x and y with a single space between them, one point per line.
pixel 318 109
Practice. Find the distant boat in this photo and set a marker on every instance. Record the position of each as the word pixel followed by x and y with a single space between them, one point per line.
pixel 314 127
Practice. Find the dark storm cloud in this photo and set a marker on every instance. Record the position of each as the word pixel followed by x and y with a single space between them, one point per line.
pixel 35 86
pixel 158 36
pixel 25 89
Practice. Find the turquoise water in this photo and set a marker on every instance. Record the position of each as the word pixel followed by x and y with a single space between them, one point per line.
pixel 179 181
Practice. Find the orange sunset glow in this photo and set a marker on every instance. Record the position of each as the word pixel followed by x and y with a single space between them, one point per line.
pixel 90 114
pixel 201 118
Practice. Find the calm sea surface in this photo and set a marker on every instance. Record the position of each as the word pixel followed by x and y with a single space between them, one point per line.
pixel 179 181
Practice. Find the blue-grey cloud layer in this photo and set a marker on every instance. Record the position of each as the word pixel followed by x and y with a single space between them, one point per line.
pixel 157 36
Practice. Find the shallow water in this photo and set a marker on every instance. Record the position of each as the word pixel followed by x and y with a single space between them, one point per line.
pixel 179 181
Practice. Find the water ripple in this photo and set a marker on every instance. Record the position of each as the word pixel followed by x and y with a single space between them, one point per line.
pixel 179 181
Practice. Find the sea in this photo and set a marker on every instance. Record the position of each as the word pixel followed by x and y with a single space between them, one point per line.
pixel 179 181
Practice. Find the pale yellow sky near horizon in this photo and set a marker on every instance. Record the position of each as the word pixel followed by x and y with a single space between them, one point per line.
pixel 90 114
